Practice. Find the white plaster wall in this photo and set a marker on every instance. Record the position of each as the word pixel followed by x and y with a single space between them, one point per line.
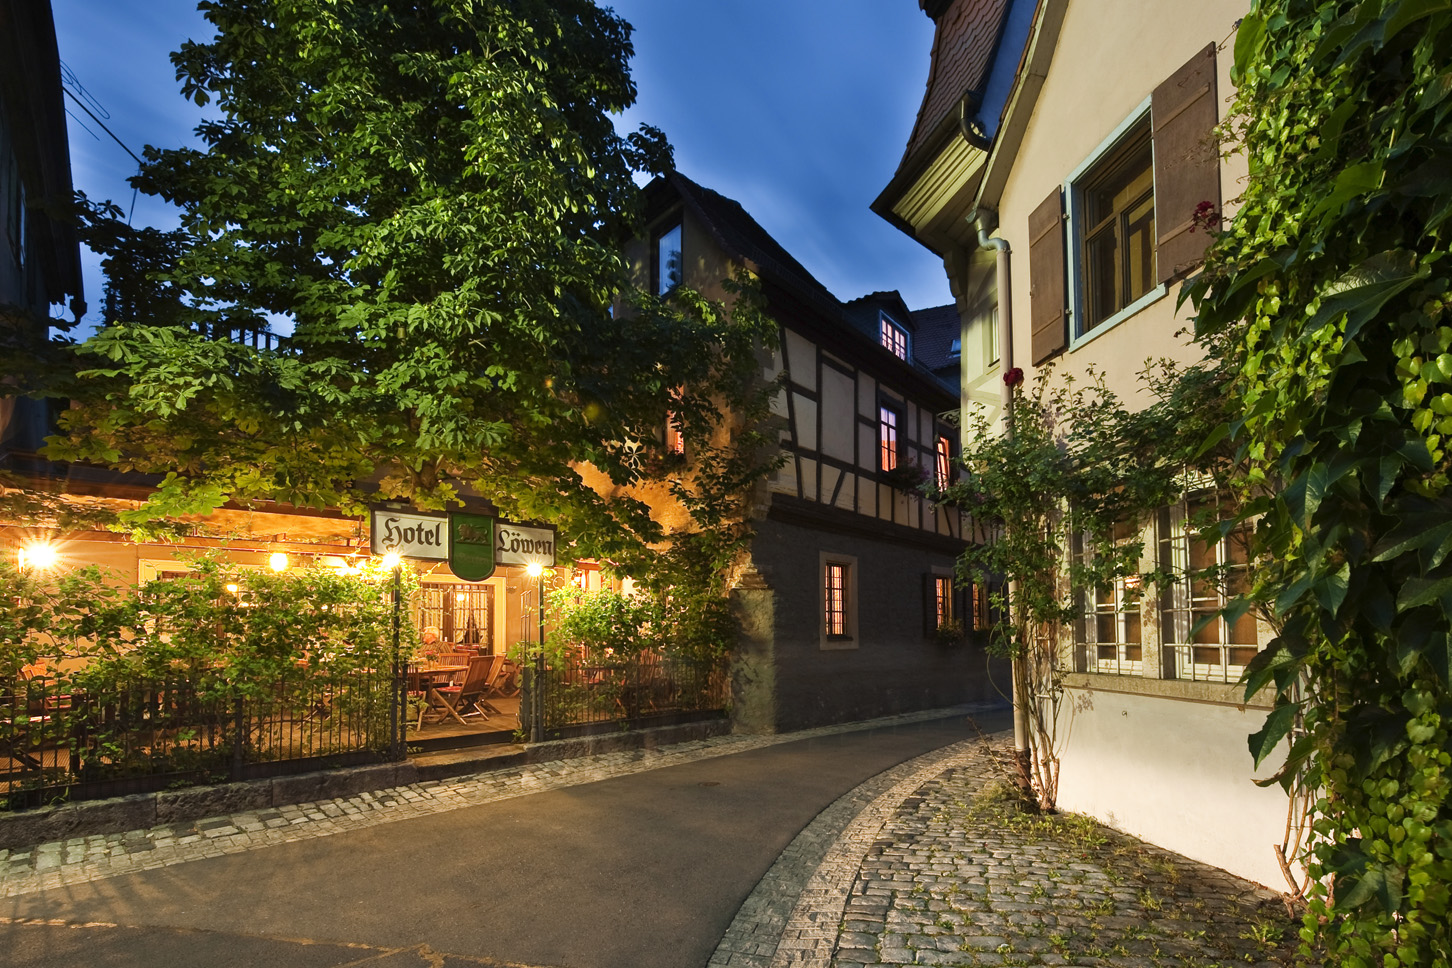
pixel 1111 55
pixel 1175 773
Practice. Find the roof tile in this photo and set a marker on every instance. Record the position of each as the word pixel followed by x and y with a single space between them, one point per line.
pixel 963 45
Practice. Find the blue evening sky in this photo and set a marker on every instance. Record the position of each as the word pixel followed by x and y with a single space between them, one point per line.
pixel 798 109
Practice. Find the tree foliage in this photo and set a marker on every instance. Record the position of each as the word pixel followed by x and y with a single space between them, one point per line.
pixel 1328 297
pixel 432 198
pixel 1072 480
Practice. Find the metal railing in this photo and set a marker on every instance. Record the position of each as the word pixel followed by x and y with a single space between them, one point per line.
pixel 629 691
pixel 58 742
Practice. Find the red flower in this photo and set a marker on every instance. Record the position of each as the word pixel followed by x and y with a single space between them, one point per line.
pixel 1206 217
pixel 1013 377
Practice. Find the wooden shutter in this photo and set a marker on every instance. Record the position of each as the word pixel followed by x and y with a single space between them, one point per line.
pixel 1046 278
pixel 930 607
pixel 1183 114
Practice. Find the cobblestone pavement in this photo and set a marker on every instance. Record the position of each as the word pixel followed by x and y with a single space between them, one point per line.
pixel 934 864
pixel 82 859
pixel 928 863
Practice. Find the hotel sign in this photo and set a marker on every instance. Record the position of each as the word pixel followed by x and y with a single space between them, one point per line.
pixel 411 535
pixel 472 544
pixel 514 544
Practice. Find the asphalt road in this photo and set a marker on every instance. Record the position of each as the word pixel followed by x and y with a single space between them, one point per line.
pixel 641 871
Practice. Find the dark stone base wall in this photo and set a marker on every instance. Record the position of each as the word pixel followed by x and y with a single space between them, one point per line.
pixel 895 667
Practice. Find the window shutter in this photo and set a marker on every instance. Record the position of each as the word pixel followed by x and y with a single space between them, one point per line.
pixel 1183 113
pixel 1046 278
pixel 930 607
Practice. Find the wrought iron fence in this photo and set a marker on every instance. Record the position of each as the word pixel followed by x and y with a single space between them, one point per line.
pixel 629 691
pixel 58 742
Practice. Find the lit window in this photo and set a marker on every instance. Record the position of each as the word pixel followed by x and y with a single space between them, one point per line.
pixel 675 441
pixel 836 603
pixel 887 424
pixel 1200 643
pixel 943 462
pixel 838 597
pixel 668 265
pixel 942 601
pixel 893 336
pixel 1113 204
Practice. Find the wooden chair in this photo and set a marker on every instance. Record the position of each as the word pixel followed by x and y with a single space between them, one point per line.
pixel 468 694
pixel 454 658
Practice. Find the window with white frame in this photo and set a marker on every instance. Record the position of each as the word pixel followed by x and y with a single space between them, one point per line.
pixel 669 268
pixel 838 598
pixel 1112 209
pixel 1200 643
pixel 1109 238
pixel 1108 631
pixel 892 336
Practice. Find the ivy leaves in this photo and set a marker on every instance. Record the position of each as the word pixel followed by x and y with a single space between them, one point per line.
pixel 1326 300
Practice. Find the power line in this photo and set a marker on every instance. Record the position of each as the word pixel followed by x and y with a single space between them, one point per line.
pixel 82 105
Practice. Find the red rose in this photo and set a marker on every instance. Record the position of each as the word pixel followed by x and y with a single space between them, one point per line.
pixel 1013 377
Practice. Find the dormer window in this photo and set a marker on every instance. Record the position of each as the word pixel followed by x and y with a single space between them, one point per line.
pixel 956 349
pixel 668 263
pixel 892 336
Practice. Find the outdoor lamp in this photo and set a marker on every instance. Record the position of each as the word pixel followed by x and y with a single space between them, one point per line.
pixel 534 569
pixel 392 560
pixel 37 556
pixel 278 561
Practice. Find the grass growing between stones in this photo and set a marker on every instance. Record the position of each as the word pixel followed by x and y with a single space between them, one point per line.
pixel 978 876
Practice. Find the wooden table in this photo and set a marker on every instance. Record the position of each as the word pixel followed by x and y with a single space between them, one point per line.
pixel 423 679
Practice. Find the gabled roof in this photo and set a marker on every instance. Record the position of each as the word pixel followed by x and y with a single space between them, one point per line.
pixel 743 239
pixel 736 232
pixel 964 44
pixel 933 338
pixel 863 310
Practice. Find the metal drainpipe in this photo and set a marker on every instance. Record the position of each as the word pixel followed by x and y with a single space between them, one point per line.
pixel 1005 401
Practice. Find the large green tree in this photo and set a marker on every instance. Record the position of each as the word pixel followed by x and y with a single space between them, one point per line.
pixel 432 197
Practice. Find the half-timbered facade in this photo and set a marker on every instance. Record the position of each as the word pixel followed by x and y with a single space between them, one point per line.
pixel 848 602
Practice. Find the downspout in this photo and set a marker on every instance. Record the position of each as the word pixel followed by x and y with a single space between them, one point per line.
pixel 1002 254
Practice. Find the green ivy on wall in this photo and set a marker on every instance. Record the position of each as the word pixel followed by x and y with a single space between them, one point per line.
pixel 1327 298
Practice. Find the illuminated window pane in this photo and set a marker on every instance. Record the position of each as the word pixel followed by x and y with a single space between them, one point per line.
pixel 893 336
pixel 944 461
pixel 836 601
pixel 887 420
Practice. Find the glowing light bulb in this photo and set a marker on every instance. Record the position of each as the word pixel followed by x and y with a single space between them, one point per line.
pixel 40 556
pixel 278 561
pixel 534 569
pixel 392 560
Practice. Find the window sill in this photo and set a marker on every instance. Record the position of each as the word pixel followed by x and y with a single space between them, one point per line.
pixel 838 643
pixel 1217 693
pixel 1153 296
